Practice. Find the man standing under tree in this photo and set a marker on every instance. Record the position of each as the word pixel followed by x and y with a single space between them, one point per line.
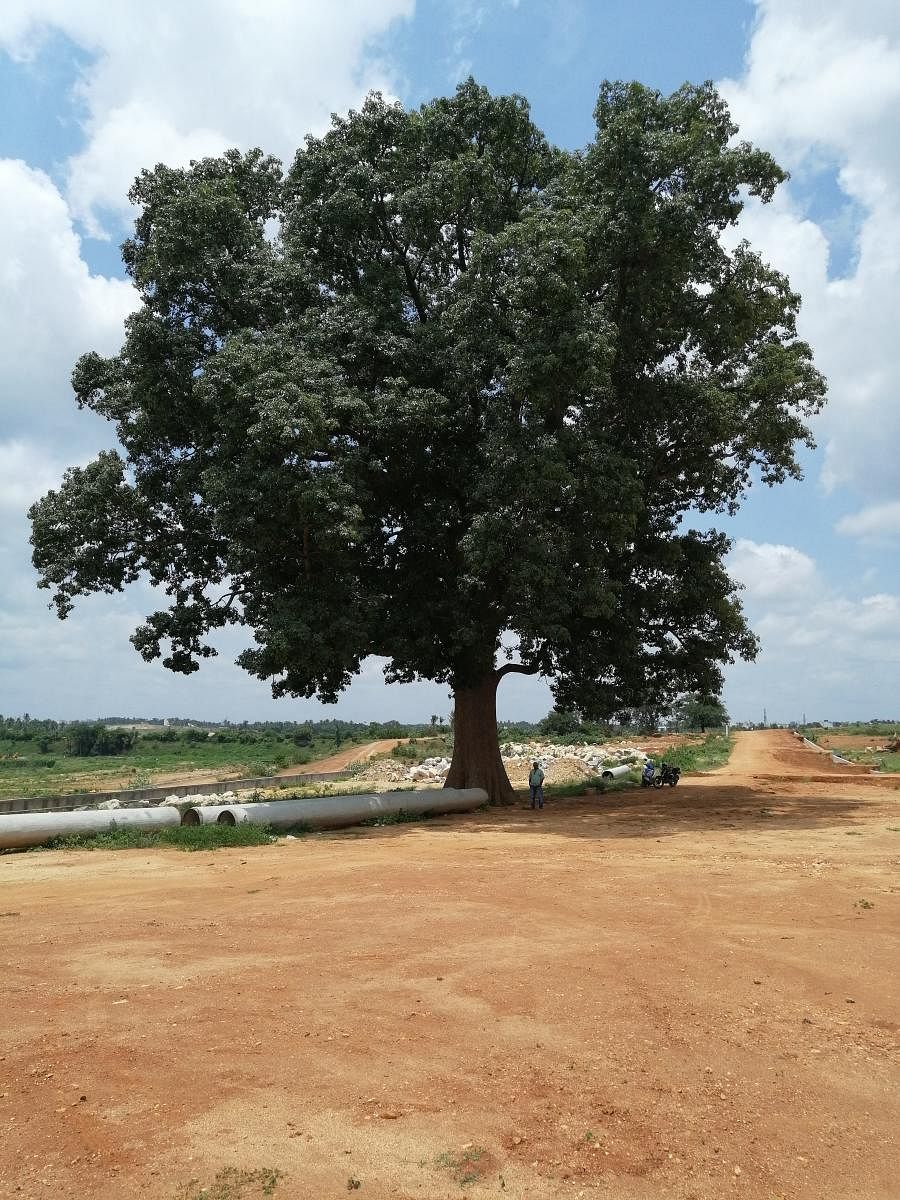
pixel 536 784
pixel 442 389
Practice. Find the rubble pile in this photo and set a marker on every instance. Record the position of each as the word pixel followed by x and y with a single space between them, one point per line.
pixel 432 770
pixel 558 762
pixel 594 756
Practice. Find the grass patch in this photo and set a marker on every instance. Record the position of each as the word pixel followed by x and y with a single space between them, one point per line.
pixel 416 750
pixel 324 789
pixel 714 751
pixel 881 761
pixel 232 1183
pixel 26 771
pixel 178 837
pixel 400 818
pixel 593 783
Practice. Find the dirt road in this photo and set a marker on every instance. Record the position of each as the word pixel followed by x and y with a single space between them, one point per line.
pixel 687 994
pixel 343 758
pixel 776 755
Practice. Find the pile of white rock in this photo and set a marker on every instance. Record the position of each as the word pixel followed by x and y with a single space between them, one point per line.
pixel 122 802
pixel 596 758
pixel 431 770
pixel 207 801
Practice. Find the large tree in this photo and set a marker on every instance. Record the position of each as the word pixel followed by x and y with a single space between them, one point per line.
pixel 443 384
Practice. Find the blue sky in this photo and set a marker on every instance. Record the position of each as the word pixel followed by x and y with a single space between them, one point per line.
pixel 90 94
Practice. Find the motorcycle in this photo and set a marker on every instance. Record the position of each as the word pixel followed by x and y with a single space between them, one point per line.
pixel 667 774
pixel 647 775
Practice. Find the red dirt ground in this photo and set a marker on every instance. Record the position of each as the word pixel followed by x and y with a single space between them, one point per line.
pixel 688 994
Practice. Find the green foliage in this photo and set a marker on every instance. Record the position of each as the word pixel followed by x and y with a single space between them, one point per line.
pixel 230 756
pixel 473 387
pixel 876 728
pixel 593 783
pixel 83 740
pixel 559 723
pixel 881 761
pixel 699 711
pixel 178 837
pixel 418 749
pixel 714 751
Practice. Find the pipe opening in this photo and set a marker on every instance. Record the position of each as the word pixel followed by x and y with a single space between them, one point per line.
pixel 225 818
pixel 191 817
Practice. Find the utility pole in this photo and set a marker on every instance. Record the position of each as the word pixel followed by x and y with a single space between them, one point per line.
pixel 765 718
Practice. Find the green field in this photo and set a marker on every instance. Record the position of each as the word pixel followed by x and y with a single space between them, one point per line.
pixel 883 761
pixel 39 766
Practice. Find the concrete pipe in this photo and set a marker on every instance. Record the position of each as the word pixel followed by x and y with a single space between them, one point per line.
pixel 34 829
pixel 333 812
pixel 617 772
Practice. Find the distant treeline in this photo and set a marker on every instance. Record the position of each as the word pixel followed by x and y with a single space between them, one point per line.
pixel 26 727
pixel 83 739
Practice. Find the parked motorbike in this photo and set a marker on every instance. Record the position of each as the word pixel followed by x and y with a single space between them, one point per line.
pixel 647 775
pixel 667 774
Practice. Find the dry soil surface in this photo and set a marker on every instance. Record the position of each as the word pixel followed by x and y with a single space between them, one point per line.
pixel 689 993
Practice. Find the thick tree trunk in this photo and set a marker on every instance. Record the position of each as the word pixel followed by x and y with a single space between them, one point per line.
pixel 476 751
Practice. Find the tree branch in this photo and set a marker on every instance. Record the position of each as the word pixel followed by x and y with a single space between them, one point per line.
pixel 515 669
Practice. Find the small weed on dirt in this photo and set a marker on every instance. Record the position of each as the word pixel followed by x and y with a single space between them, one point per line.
pixel 232 1183
pixel 353 1184
pixel 465 1166
pixel 864 904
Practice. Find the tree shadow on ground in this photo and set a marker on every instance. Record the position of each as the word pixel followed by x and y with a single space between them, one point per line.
pixel 660 813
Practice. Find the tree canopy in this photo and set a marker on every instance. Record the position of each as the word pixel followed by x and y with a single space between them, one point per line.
pixel 697 711
pixel 438 383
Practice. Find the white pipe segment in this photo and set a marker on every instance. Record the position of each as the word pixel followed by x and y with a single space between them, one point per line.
pixel 33 829
pixel 332 812
pixel 617 772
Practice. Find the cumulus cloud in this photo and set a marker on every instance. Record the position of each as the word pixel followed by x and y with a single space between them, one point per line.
pixel 170 81
pixel 51 307
pixel 771 573
pixel 823 650
pixel 878 520
pixel 822 91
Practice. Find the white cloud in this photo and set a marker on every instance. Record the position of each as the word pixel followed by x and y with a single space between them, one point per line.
pixel 25 474
pixel 878 520
pixel 51 307
pixel 774 574
pixel 823 650
pixel 822 91
pixel 169 81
